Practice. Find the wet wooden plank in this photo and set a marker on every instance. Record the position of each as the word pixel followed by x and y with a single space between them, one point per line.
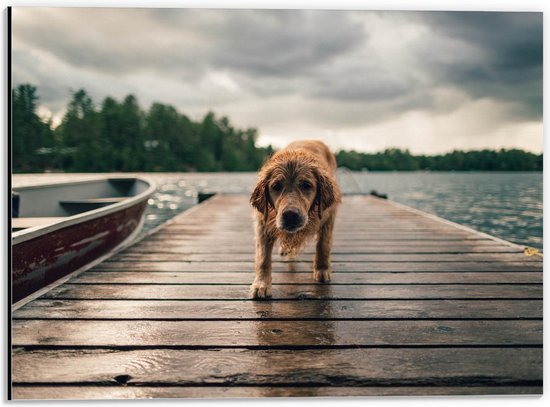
pixel 216 230
pixel 214 251
pixel 164 235
pixel 133 277
pixel 94 392
pixel 124 333
pixel 326 367
pixel 306 266
pixel 383 218
pixel 240 292
pixel 381 230
pixel 359 258
pixel 370 234
pixel 300 310
pixel 342 243
pixel 232 224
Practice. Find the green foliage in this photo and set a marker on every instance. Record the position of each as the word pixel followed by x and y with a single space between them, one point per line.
pixel 119 136
pixel 483 160
pixel 80 134
pixel 32 138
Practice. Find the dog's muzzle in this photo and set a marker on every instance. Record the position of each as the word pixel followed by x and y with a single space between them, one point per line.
pixel 292 220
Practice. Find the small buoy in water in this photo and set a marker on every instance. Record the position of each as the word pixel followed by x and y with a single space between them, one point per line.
pixel 378 195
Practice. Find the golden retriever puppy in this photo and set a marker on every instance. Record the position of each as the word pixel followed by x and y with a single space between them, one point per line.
pixel 296 198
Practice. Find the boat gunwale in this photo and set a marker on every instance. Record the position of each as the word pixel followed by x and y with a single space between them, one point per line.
pixel 41 230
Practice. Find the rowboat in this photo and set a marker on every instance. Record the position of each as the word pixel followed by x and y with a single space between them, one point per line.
pixel 60 228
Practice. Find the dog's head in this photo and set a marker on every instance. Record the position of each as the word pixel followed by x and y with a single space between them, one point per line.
pixel 295 186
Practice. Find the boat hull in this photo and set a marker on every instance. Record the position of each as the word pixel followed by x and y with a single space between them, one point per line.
pixel 42 260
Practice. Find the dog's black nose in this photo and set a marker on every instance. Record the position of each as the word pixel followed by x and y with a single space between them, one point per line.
pixel 292 219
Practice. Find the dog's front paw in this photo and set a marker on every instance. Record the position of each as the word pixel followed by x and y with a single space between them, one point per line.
pixel 260 289
pixel 322 275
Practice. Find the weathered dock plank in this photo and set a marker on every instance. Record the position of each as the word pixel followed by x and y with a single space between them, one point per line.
pixel 305 266
pixel 131 392
pixel 465 277
pixel 416 306
pixel 174 248
pixel 297 292
pixel 355 258
pixel 290 334
pixel 348 367
pixel 280 310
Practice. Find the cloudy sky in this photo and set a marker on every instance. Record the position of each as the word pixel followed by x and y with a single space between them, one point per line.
pixel 427 81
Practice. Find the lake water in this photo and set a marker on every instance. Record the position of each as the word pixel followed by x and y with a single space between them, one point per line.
pixel 506 205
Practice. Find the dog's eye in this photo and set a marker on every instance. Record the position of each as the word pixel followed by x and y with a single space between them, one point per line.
pixel 277 186
pixel 306 185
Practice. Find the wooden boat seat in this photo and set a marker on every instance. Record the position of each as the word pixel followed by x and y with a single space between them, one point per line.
pixel 24 223
pixel 75 206
pixel 94 201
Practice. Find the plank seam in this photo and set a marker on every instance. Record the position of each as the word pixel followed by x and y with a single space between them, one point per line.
pixel 447 381
pixel 264 319
pixel 124 348
pixel 301 299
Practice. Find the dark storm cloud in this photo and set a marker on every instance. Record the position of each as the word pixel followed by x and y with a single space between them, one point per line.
pixel 277 51
pixel 277 43
pixel 114 41
pixel 485 54
pixel 282 44
pixel 258 42
pixel 510 47
pixel 367 84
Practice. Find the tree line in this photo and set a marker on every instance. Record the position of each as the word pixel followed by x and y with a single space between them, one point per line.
pixel 394 159
pixel 120 136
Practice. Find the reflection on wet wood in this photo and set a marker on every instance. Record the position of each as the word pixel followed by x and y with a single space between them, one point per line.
pixel 144 277
pixel 348 367
pixel 416 307
pixel 298 292
pixel 274 333
pixel 301 310
pixel 93 392
pixel 249 251
pixel 305 266
pixel 517 256
pixel 348 246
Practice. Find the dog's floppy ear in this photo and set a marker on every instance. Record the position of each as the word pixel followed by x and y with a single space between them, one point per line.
pixel 260 195
pixel 327 193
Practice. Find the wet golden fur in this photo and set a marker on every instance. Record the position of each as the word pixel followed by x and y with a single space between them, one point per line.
pixel 299 178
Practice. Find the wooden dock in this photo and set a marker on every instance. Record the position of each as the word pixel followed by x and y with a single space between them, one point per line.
pixel 417 306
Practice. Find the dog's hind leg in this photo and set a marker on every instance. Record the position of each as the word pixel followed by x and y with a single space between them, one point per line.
pixel 322 268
